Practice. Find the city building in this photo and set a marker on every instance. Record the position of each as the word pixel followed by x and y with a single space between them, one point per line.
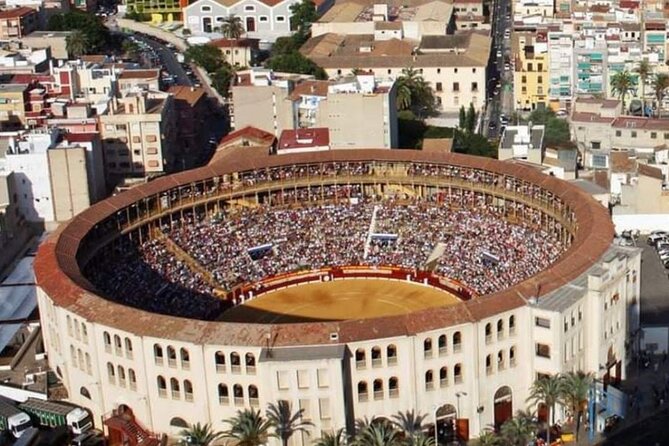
pixel 17 22
pixel 473 361
pixel 13 102
pixel 262 19
pixel 55 40
pixel 138 134
pixel 469 14
pixel 275 105
pixel 561 71
pixel 303 140
pixel 138 79
pixel 24 60
pixel 522 142
pixel 237 52
pixel 193 113
pixel 54 178
pixel 165 11
pixel 531 70
pixel 454 65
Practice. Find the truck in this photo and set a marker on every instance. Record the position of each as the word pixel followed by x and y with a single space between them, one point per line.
pixel 30 437
pixel 54 413
pixel 12 419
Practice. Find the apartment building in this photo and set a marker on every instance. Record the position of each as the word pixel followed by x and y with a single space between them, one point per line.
pixel 13 103
pixel 522 142
pixel 193 113
pixel 17 22
pixel 469 15
pixel 237 52
pixel 542 8
pixel 411 19
pixel 275 105
pixel 454 65
pixel 531 74
pixel 158 11
pixel 561 72
pixel 590 65
pixel 138 134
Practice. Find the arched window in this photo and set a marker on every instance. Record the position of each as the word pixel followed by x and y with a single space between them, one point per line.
pixel 111 374
pixel 117 345
pixel 121 376
pixel 500 360
pixel 219 358
pixel 88 364
pixel 512 356
pixel 457 342
pixel 378 389
pixel 512 324
pixel 223 395
pixel 171 356
pixel 128 348
pixel 132 379
pixel 69 325
pixel 250 360
pixel 442 342
pixel 185 359
pixel 360 359
pixel 488 333
pixel 253 396
pixel 362 391
pixel 488 364
pixel 107 339
pixel 235 362
pixel 427 347
pixel 77 333
pixel 500 329
pixel 85 393
pixel 393 387
pixel 391 353
pixel 179 422
pixel 188 390
pixel 162 386
pixel 158 354
pixel 84 333
pixel 73 356
pixel 443 376
pixel 238 393
pixel 457 373
pixel 80 357
pixel 376 357
pixel 175 388
pixel 429 380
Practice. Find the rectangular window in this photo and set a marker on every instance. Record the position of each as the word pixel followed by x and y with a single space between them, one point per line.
pixel 305 405
pixel 619 133
pixel 439 87
pixel 323 378
pixel 152 151
pixel 136 139
pixel 282 380
pixel 523 79
pixel 596 145
pixel 543 351
pixel 280 18
pixel 456 86
pixel 475 87
pixel 529 67
pixel 666 136
pixel 151 138
pixel 542 322
pixel 633 134
pixel 653 135
pixel 303 379
pixel 324 408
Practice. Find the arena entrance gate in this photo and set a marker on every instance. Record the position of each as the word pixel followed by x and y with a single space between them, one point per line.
pixel 503 406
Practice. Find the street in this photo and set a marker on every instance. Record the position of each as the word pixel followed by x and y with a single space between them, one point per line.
pixel 168 60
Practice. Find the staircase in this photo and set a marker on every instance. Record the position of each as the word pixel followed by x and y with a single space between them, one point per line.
pixel 125 429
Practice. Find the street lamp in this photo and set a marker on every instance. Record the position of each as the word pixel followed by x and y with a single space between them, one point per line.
pixel 458 395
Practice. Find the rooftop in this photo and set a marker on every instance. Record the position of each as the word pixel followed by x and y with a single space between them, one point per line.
pixel 304 138
pixel 189 94
pixel 140 74
pixel 16 12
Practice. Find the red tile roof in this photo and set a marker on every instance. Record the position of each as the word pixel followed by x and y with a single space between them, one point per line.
pixel 16 12
pixel 304 138
pixel 254 134
pixel 313 88
pixel 140 74
pixel 633 122
pixel 81 137
pixel 650 171
pixel 235 43
pixel 58 274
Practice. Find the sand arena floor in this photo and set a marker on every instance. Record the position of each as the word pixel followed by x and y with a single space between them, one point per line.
pixel 339 300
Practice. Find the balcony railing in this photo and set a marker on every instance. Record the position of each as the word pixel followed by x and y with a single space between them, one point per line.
pixel 224 400
pixel 378 394
pixel 239 401
pixel 363 397
pixel 394 393
pixel 220 368
pixel 443 351
pixel 392 360
pixel 185 365
pixel 457 348
pixel 251 369
pixel 254 402
pixel 443 382
pixel 458 379
pixel 236 369
pixel 162 393
pixel 427 354
pixel 360 365
pixel 188 397
pixel 172 362
pixel 176 395
pixel 377 362
pixel 429 385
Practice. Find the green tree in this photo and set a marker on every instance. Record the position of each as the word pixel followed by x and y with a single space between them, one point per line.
pixel 488 438
pixel 295 62
pixel 622 84
pixel 541 116
pixel 546 390
pixel 221 79
pixel 411 423
pixel 96 33
pixel 378 434
pixel 462 118
pixel 76 44
pixel 303 14
pixel 519 430
pixel 574 394
pixel 336 438
pixel 232 27
pixel 420 95
pixel 557 133
pixel 286 422
pixel 207 56
pixel 130 49
pixel 473 144
pixel 644 69
pixel 470 119
pixel 660 85
pixel 200 435
pixel 248 428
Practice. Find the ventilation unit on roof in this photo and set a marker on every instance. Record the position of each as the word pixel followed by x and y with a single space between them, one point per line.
pixel 334 336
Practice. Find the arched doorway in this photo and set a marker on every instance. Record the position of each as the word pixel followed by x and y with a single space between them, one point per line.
pixel 250 24
pixel 178 422
pixel 206 25
pixel 503 403
pixel 445 418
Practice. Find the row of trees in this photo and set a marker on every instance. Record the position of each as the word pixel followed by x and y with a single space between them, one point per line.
pixel 250 428
pixel 624 83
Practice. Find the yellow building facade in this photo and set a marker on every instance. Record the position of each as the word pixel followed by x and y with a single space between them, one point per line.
pixel 530 76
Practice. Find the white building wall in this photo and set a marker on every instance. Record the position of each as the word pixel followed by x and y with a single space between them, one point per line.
pixel 33 186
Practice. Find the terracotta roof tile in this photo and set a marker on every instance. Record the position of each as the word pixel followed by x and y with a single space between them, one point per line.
pixel 650 171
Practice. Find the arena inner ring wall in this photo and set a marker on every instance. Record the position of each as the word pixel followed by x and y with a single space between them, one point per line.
pixel 581 222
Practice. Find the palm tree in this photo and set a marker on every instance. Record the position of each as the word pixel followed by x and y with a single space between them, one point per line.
pixel 200 435
pixel 76 43
pixel 364 423
pixel 644 70
pixel 622 84
pixel 285 422
pixel 519 430
pixel 378 434
pixel 546 390
pixel 574 390
pixel 660 85
pixel 232 28
pixel 411 423
pixel 248 428
pixel 414 92
pixel 422 440
pixel 488 438
pixel 337 438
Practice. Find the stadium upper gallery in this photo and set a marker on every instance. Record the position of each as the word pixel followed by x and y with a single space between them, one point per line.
pixel 352 283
